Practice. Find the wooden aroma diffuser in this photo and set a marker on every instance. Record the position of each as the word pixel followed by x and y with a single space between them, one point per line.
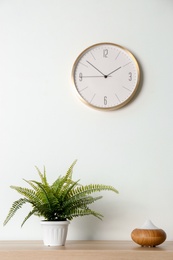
pixel 148 235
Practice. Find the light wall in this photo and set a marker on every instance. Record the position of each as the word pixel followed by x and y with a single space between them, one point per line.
pixel 44 123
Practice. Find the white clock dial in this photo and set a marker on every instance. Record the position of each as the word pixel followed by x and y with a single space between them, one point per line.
pixel 106 76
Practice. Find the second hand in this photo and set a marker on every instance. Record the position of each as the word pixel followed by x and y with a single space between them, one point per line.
pixel 95 76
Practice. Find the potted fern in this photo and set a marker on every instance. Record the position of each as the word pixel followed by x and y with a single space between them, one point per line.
pixel 58 203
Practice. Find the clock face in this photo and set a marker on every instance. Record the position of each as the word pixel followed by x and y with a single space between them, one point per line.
pixel 106 76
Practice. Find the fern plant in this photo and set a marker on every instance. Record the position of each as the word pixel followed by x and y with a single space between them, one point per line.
pixel 63 200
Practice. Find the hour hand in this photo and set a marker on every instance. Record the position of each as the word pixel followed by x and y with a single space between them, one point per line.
pixel 113 71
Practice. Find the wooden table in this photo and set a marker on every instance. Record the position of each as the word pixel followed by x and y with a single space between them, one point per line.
pixel 84 250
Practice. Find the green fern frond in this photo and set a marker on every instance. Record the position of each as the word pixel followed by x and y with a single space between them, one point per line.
pixel 70 170
pixel 84 212
pixel 43 191
pixel 28 216
pixel 88 189
pixel 56 184
pixel 79 202
pixel 47 197
pixel 15 206
pixel 69 188
pixel 59 184
pixel 42 176
pixel 28 193
pixel 35 187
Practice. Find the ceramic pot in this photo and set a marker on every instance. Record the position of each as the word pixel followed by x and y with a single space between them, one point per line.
pixel 54 232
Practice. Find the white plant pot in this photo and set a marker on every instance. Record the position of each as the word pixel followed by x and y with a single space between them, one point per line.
pixel 54 232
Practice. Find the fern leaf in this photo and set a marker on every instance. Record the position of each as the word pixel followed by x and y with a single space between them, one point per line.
pixel 28 216
pixel 35 187
pixel 42 176
pixel 15 206
pixel 84 212
pixel 80 202
pixel 65 180
pixel 68 188
pixel 28 193
pixel 42 187
pixel 70 170
pixel 47 197
pixel 88 189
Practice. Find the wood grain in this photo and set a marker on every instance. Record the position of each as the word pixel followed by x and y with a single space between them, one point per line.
pixel 148 237
pixel 85 250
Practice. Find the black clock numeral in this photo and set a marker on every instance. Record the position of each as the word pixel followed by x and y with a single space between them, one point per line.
pixel 130 76
pixel 80 76
pixel 105 100
pixel 105 53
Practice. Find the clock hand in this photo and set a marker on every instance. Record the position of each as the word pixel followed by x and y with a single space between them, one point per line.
pixel 97 69
pixel 94 76
pixel 113 71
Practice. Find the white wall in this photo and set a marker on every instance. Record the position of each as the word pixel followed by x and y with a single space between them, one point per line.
pixel 44 123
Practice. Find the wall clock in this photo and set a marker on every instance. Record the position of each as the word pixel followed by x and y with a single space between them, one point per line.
pixel 106 76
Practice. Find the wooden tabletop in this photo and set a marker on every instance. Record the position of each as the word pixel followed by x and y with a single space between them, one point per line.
pixel 85 250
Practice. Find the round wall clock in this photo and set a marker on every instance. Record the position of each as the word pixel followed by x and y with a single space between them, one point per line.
pixel 106 76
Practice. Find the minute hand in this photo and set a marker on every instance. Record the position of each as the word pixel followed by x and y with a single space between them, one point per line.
pixel 113 71
pixel 96 68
